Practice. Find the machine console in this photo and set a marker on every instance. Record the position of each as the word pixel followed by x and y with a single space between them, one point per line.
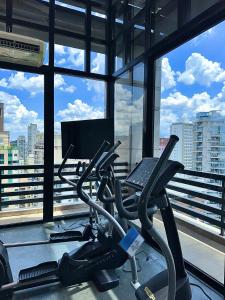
pixel 141 173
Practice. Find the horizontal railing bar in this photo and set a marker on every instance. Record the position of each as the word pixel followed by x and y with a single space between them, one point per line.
pixel 198 215
pixel 36 167
pixel 202 206
pixel 202 174
pixel 27 175
pixel 193 193
pixel 21 193
pixel 21 201
pixel 21 167
pixel 21 184
pixel 198 184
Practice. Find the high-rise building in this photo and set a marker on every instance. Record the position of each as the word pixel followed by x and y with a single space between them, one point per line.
pixel 209 142
pixel 20 143
pixel 31 139
pixel 183 151
pixel 39 149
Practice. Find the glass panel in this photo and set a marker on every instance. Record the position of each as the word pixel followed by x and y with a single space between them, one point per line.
pixel 21 142
pixel 164 19
pixel 119 52
pixel 138 38
pixel 190 103
pixel 98 57
pixel 2 8
pixel 98 24
pixel 70 20
pixel 31 11
pixel 197 7
pixel 135 6
pixel 69 53
pixel 73 5
pixel 118 11
pixel 129 115
pixel 75 99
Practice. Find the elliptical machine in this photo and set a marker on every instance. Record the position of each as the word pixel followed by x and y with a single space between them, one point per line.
pixel 150 177
pixel 92 261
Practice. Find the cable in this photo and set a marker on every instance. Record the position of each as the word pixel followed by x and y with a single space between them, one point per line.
pixel 194 284
pixel 139 264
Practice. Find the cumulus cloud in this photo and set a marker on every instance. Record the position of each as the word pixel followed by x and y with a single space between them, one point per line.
pixel 128 110
pixel 167 75
pixel 33 84
pixel 98 64
pixel 178 107
pixel 76 56
pixel 201 70
pixel 79 110
pixel 17 116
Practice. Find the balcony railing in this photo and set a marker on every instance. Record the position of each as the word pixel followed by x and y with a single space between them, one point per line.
pixel 197 194
pixel 22 186
pixel 200 195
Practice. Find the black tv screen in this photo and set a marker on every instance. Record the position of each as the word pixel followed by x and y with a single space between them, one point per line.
pixel 86 136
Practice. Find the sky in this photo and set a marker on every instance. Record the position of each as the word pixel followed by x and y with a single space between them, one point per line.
pixel 75 98
pixel 192 80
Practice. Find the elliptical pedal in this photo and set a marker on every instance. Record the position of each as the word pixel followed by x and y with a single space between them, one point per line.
pixel 40 271
pixel 65 236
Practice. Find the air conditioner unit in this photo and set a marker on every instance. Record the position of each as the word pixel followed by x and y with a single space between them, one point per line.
pixel 19 49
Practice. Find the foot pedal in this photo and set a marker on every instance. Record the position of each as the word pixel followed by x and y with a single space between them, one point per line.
pixel 105 280
pixel 65 236
pixel 40 271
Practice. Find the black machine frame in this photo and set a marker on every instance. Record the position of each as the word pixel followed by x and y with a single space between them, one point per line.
pixel 186 29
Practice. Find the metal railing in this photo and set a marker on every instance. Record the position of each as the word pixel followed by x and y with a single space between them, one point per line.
pixel 197 194
pixel 22 185
pixel 200 195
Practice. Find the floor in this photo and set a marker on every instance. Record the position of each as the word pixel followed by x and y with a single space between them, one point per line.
pixel 204 256
pixel 148 260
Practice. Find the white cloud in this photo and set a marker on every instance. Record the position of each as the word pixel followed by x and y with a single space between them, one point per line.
pixel 178 107
pixel 33 84
pixel 17 116
pixel 201 70
pixel 98 64
pixel 62 61
pixel 79 110
pixel 3 82
pixel 75 56
pixel 167 75
pixel 60 50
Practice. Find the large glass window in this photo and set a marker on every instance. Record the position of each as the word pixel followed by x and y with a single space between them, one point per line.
pixel 190 99
pixel 129 114
pixel 75 99
pixel 21 140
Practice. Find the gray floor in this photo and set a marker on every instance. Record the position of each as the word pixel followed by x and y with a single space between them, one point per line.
pixel 150 262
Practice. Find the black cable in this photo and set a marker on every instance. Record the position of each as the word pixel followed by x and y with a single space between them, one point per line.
pixel 194 284
pixel 139 264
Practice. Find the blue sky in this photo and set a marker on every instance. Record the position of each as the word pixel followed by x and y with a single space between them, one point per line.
pixel 75 98
pixel 192 80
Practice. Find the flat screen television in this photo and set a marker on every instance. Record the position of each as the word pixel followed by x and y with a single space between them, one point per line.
pixel 86 136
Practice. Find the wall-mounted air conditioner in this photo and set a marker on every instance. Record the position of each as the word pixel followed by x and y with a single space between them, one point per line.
pixel 19 49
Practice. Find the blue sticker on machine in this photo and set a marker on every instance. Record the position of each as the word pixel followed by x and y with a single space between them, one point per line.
pixel 131 242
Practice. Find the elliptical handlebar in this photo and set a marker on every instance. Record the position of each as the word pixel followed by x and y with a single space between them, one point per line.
pixel 149 187
pixel 81 194
pixel 69 151
pixel 105 158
